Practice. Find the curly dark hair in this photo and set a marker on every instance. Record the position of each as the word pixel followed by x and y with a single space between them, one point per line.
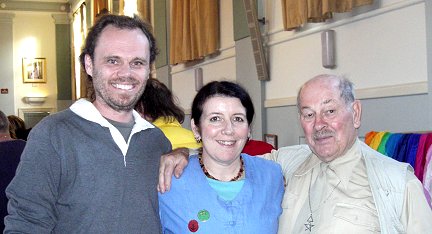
pixel 158 101
pixel 121 22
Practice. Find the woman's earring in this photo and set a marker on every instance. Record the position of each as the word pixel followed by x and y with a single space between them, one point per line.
pixel 198 139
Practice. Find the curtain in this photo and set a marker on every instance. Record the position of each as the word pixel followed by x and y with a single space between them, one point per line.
pixel 79 31
pixel 121 7
pixel 194 31
pixel 298 12
pixel 99 6
pixel 83 34
pixel 143 8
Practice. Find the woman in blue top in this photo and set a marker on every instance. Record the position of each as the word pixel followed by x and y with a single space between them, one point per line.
pixel 222 190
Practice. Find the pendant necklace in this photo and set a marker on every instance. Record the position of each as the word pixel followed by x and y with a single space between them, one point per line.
pixel 309 224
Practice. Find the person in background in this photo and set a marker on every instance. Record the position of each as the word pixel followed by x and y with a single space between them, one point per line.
pixel 17 128
pixel 336 183
pixel 222 190
pixel 93 168
pixel 158 105
pixel 10 153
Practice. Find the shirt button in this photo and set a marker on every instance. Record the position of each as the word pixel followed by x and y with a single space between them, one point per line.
pixel 193 225
pixel 232 223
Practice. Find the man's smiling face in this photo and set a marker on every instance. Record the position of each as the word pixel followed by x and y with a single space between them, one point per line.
pixel 329 123
pixel 120 68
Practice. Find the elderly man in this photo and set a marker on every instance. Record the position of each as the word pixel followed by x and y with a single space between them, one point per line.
pixel 336 183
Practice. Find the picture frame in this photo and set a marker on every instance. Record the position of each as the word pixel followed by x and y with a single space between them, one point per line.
pixel 34 70
pixel 272 139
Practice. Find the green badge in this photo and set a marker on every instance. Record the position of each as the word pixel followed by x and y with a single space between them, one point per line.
pixel 203 215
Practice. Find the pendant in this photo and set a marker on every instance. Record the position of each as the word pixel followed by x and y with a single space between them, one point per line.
pixel 309 223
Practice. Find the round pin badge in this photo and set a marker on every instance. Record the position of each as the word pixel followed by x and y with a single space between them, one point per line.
pixel 193 225
pixel 203 215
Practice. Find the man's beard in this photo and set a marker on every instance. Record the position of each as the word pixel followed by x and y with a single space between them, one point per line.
pixel 122 102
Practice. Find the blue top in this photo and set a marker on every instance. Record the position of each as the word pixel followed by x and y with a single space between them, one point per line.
pixel 192 205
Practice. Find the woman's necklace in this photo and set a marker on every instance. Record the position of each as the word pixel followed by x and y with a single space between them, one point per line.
pixel 237 177
pixel 309 222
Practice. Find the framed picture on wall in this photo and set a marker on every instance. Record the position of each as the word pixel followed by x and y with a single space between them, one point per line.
pixel 34 70
pixel 271 139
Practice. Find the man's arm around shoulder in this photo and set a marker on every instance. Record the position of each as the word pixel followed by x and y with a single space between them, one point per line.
pixel 289 157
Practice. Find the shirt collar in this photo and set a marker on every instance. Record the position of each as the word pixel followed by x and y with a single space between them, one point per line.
pixel 343 166
pixel 311 162
pixel 140 122
pixel 88 111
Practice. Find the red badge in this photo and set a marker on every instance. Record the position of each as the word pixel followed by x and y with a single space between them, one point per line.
pixel 193 225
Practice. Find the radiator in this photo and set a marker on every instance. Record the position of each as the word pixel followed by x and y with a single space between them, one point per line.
pixel 32 116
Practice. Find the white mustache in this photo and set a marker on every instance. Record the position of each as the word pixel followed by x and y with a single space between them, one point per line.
pixel 323 134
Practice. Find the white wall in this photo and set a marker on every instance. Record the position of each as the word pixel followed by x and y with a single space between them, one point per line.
pixel 6 53
pixel 183 83
pixel 34 36
pixel 383 47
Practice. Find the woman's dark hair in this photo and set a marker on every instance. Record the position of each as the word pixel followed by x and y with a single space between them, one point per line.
pixel 223 89
pixel 158 101
pixel 17 127
pixel 121 22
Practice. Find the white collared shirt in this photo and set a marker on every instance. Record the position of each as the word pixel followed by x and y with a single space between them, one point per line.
pixel 88 111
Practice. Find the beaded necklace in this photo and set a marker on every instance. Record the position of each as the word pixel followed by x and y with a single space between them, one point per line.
pixel 237 177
